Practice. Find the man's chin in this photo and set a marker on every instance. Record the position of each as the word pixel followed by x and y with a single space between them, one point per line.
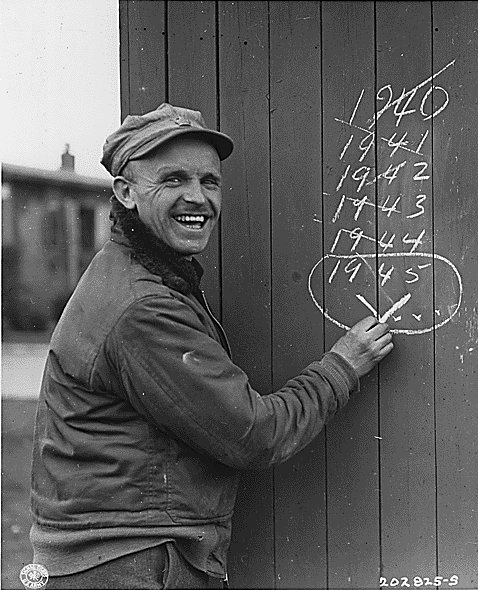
pixel 188 250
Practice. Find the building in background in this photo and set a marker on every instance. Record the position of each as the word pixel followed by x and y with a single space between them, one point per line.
pixel 53 222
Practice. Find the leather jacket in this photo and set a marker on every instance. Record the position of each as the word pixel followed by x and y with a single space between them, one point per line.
pixel 144 419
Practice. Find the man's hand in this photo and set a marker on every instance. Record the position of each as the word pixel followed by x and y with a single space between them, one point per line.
pixel 365 344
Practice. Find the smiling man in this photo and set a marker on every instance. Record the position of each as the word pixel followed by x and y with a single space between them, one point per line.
pixel 144 422
pixel 176 191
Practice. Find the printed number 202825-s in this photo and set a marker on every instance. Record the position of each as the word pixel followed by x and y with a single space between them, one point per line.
pixel 418 582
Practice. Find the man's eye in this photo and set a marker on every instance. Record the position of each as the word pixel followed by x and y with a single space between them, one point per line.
pixel 173 180
pixel 213 182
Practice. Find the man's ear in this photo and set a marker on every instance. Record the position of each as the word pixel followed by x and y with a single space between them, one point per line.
pixel 121 189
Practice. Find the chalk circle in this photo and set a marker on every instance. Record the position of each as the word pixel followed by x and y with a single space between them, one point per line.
pixel 410 331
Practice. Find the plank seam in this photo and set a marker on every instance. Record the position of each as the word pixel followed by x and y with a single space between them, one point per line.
pixel 271 284
pixel 379 421
pixel 326 490
pixel 434 297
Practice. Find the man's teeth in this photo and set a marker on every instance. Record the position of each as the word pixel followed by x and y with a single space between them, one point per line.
pixel 192 221
pixel 191 218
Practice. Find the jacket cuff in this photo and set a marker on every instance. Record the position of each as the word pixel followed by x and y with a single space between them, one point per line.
pixel 341 373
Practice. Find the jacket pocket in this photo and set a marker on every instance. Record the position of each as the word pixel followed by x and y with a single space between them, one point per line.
pixel 199 487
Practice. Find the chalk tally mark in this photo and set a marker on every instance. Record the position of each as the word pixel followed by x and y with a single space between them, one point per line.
pixel 402 302
pixel 395 307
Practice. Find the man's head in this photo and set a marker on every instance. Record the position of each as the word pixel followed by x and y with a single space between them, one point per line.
pixel 167 166
pixel 176 190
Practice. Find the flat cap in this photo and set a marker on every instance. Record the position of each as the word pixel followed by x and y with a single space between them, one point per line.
pixel 140 134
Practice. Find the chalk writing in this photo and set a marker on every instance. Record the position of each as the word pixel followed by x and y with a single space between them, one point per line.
pixel 352 265
pixel 379 249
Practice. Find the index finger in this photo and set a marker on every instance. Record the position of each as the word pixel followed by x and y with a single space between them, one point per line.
pixel 366 323
pixel 379 330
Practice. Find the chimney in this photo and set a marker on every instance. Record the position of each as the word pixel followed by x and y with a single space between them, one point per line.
pixel 67 159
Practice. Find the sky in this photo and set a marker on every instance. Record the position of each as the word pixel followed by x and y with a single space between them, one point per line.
pixel 59 75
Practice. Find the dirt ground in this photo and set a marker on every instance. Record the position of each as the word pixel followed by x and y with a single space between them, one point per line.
pixel 17 431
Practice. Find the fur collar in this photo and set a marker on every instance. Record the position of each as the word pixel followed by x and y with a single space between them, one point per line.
pixel 160 259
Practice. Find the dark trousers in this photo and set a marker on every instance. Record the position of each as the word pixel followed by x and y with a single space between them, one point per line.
pixel 150 569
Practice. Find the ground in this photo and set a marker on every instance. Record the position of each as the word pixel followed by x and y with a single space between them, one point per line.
pixel 17 429
pixel 23 357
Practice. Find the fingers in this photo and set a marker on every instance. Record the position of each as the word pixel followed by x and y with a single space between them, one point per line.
pixel 382 346
pixel 379 330
pixel 385 350
pixel 384 341
pixel 365 324
pixel 365 344
pixel 372 327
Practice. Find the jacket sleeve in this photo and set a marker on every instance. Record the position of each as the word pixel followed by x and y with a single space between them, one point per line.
pixel 182 380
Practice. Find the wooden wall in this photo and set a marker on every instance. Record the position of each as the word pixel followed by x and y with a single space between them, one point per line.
pixel 352 187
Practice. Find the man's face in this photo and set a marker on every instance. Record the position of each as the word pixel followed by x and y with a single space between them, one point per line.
pixel 177 191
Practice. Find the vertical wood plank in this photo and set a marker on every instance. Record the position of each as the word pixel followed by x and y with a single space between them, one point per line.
pixel 455 138
pixel 192 56
pixel 244 108
pixel 192 84
pixel 406 376
pixel 348 274
pixel 123 8
pixel 297 327
pixel 144 49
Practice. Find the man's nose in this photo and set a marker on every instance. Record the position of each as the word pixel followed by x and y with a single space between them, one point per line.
pixel 194 193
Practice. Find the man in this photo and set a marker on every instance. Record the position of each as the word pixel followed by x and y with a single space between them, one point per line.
pixel 144 422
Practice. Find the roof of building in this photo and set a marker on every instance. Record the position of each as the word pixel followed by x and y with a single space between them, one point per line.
pixel 61 177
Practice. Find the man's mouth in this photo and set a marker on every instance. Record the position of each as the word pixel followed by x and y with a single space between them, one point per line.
pixel 192 221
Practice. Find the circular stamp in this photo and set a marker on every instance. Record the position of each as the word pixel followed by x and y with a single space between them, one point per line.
pixel 34 576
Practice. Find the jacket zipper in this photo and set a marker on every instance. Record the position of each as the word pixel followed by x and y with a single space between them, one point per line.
pixel 217 324
pixel 222 334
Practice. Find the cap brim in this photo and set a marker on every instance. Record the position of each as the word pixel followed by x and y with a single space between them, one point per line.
pixel 220 141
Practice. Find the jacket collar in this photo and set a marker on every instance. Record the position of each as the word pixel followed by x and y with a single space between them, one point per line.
pixel 177 272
